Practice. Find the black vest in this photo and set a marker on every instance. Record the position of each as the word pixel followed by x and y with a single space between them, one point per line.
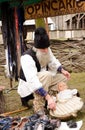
pixel 33 54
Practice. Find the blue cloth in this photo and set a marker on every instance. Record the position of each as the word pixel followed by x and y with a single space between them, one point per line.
pixel 41 92
pixel 59 69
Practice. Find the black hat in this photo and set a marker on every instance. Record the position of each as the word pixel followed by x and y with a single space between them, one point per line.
pixel 41 39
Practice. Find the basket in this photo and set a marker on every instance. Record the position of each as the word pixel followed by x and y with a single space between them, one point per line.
pixel 68 108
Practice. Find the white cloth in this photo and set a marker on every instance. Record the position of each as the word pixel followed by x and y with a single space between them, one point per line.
pixel 30 71
pixel 64 126
pixel 66 94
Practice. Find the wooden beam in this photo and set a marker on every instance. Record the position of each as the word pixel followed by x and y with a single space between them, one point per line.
pixel 13 112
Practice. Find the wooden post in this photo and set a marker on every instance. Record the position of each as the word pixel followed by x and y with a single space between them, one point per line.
pixel 46 24
pixel 17 39
pixel 2 100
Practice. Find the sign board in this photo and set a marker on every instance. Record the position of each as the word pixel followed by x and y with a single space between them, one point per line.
pixel 49 8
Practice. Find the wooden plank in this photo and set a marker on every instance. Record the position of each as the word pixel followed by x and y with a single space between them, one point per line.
pixel 13 112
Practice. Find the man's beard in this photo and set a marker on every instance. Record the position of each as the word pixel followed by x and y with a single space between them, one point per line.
pixel 43 58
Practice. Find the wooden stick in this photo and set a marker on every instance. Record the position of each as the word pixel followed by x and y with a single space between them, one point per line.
pixel 13 112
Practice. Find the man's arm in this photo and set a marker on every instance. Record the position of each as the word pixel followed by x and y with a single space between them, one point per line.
pixel 50 101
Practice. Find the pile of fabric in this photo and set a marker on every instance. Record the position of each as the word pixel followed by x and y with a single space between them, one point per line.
pixel 34 122
pixel 37 122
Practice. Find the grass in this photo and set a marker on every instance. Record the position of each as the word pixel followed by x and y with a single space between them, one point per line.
pixel 78 81
pixel 13 100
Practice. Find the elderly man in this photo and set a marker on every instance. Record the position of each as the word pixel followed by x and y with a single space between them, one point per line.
pixel 40 71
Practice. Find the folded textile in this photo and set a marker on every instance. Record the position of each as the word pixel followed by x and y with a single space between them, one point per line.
pixel 64 126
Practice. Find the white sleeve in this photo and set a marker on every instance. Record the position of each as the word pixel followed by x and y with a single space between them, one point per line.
pixel 30 70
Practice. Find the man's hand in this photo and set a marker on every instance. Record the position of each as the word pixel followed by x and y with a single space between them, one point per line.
pixel 51 102
pixel 65 73
pixel 2 88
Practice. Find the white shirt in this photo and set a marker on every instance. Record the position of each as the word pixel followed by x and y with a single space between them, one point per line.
pixel 30 71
